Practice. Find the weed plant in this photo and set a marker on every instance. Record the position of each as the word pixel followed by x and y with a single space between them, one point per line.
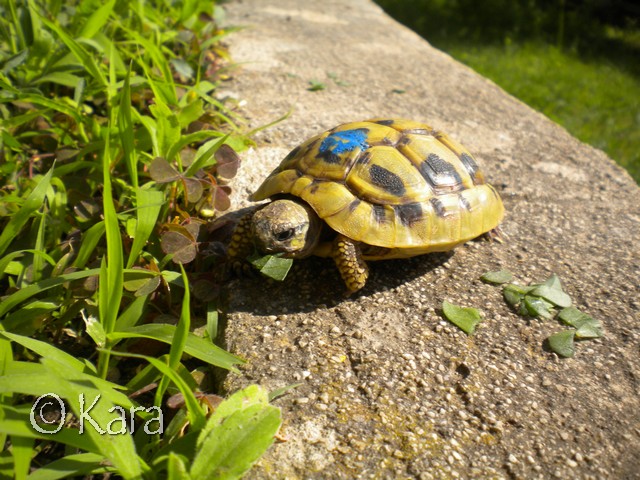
pixel 114 149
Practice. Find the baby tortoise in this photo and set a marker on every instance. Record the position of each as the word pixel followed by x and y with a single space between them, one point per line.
pixel 371 190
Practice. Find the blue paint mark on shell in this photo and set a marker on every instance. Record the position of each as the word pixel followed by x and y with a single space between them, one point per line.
pixel 340 142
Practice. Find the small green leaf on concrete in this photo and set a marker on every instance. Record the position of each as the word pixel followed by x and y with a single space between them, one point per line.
pixel 464 318
pixel 555 296
pixel 523 311
pixel 572 316
pixel 499 277
pixel 272 266
pixel 333 76
pixel 553 282
pixel 512 296
pixel 522 290
pixel 537 307
pixel 589 330
pixel 562 343
pixel 315 85
pixel 586 326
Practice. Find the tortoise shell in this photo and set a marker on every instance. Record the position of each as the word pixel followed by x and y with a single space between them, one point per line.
pixel 397 184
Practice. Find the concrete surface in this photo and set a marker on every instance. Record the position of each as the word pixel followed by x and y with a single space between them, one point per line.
pixel 388 389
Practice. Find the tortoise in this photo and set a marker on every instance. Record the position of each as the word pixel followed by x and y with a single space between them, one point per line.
pixel 372 190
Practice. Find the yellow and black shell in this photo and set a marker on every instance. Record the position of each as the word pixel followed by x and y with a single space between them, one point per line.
pixel 396 184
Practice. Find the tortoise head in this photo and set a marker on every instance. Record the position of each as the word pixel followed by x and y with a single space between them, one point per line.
pixel 286 226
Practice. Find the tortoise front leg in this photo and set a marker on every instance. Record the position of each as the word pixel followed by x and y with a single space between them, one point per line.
pixel 241 243
pixel 348 257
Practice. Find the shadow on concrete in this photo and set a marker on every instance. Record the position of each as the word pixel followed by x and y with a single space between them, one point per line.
pixel 315 283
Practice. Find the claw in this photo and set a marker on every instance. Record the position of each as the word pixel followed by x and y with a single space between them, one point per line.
pixel 496 235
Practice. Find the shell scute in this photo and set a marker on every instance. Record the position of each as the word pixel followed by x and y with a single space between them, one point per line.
pixel 396 184
pixel 326 198
pixel 386 177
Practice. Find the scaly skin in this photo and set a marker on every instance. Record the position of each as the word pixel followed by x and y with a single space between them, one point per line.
pixel 241 244
pixel 353 269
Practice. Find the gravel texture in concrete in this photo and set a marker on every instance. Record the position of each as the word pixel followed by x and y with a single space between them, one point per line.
pixel 388 388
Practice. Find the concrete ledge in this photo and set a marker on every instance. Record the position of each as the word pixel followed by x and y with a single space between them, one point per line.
pixel 389 389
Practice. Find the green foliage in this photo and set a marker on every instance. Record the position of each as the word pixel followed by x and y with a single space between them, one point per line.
pixel 569 89
pixel 235 436
pixel 582 24
pixel 541 300
pixel 465 318
pixel 562 343
pixel 113 153
pixel 316 85
pixel 497 277
pixel 272 266
pixel 552 55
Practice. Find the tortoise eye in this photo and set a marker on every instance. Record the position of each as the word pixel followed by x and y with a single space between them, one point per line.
pixel 284 234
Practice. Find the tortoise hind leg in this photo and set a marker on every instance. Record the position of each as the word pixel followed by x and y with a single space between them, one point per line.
pixel 348 257
pixel 495 235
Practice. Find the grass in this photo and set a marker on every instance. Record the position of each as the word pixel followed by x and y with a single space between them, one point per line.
pixel 557 57
pixel 114 152
pixel 597 102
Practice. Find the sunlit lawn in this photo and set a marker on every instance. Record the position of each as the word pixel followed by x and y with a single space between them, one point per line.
pixel 596 101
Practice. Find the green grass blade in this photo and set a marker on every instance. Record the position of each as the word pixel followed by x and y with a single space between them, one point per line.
pixel 189 7
pixel 212 320
pixel 36 265
pixel 45 349
pixel 165 89
pixel 61 78
pixel 85 58
pixel 126 130
pixel 191 138
pixel 33 202
pixel 152 128
pixel 149 204
pixel 176 467
pixel 90 240
pixel 114 264
pixel 52 104
pixel 80 390
pixel 25 293
pixel 8 258
pixel 15 21
pixel 118 448
pixel 75 465
pixel 205 155
pixel 30 318
pixel 97 20
pixel 196 413
pixel 269 125
pixel 132 314
pixel 195 346
pixel 16 423
pixel 180 337
pixel 22 451
pixel 105 311
pixel 168 128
